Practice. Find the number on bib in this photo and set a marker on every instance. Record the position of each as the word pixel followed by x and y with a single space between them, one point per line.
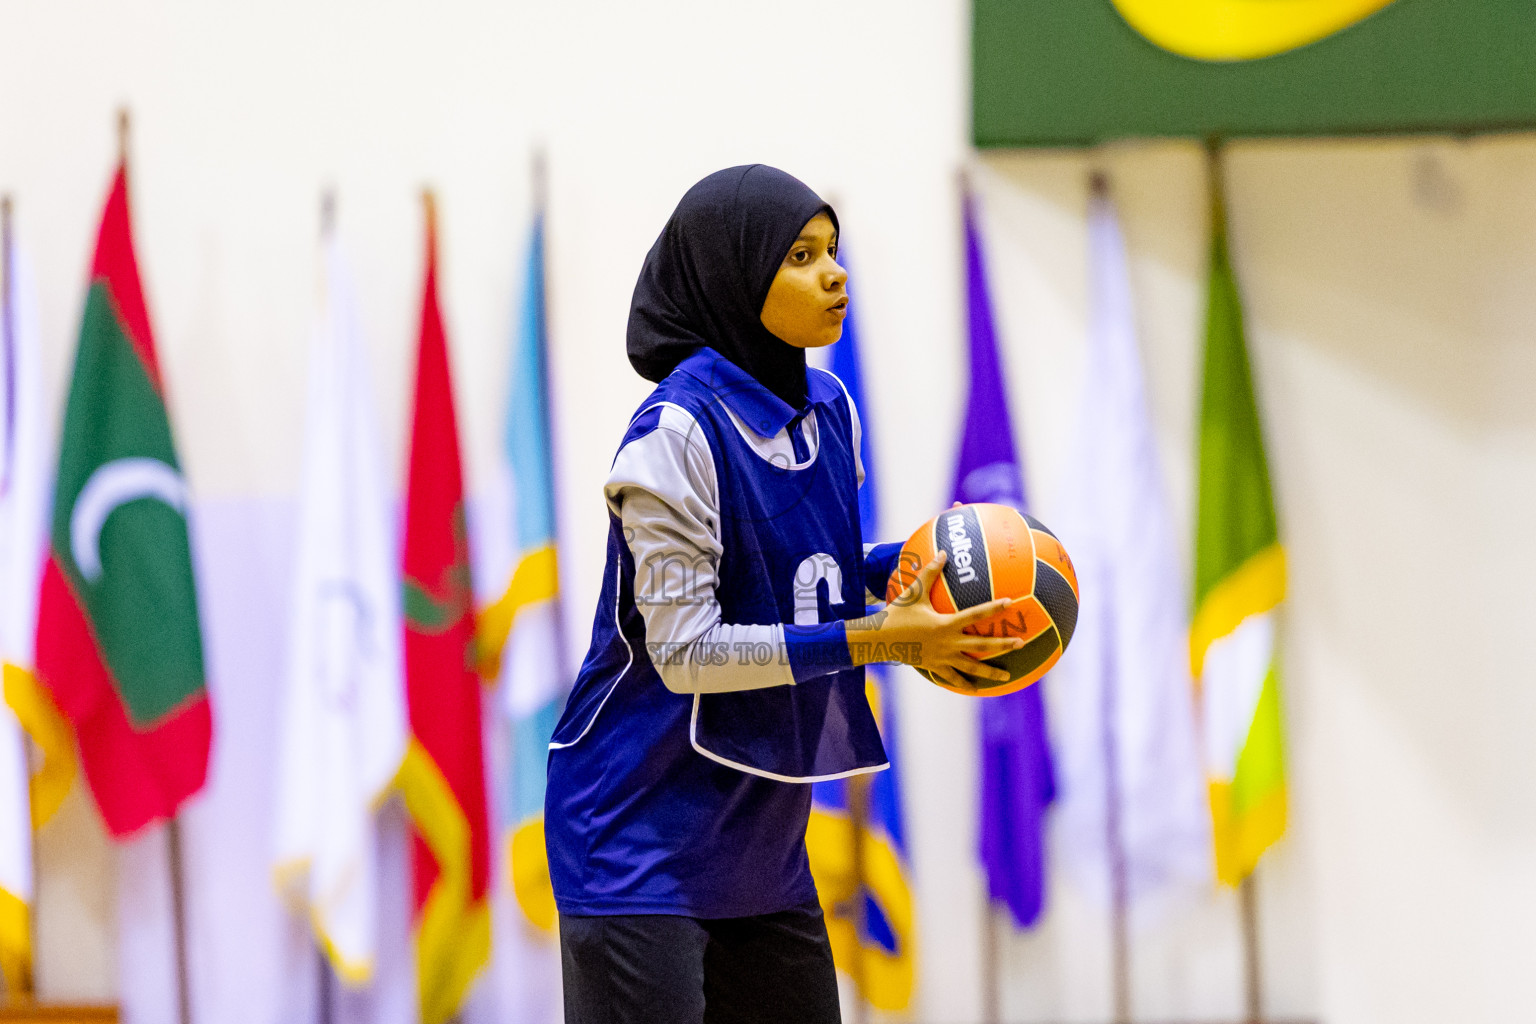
pixel 808 574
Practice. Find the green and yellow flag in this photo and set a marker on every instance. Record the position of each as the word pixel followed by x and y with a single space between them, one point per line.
pixel 1239 584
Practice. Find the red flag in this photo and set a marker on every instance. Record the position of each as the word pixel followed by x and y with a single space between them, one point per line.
pixel 118 644
pixel 443 777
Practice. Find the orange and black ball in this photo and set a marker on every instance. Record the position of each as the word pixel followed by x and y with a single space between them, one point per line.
pixel 996 551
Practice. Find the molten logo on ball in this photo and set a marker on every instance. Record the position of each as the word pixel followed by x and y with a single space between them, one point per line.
pixel 960 544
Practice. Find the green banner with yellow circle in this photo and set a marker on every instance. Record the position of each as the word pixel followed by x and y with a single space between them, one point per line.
pixel 1076 72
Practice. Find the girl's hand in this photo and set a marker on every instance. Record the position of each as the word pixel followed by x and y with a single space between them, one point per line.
pixel 910 630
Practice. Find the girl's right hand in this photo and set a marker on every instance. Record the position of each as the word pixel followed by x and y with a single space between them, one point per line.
pixel 910 630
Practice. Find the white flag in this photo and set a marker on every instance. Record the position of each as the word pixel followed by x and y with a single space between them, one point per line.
pixel 23 515
pixel 1128 701
pixel 344 722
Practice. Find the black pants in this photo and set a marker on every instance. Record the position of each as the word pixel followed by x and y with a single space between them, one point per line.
pixel 660 969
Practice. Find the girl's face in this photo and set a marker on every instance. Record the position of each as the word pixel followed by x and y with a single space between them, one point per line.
pixel 808 299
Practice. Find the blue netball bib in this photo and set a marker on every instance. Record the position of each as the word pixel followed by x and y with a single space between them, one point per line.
pixel 666 802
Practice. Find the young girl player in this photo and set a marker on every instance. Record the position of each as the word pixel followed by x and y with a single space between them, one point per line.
pixel 725 672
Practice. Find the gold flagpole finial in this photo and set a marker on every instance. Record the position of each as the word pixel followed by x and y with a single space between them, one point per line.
pixel 540 179
pixel 122 136
pixel 1213 150
pixel 429 205
pixel 327 211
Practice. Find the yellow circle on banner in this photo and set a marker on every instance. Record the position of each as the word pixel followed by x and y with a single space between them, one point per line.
pixel 1229 30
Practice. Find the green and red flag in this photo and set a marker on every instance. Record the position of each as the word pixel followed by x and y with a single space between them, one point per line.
pixel 118 644
pixel 443 776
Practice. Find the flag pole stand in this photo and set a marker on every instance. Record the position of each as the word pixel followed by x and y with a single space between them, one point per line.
pixel 1253 970
pixel 858 818
pixel 179 919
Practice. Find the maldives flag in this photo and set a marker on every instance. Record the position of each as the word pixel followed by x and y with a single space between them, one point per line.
pixel 443 776
pixel 118 645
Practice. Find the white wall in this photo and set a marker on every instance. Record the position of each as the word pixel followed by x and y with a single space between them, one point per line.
pixel 1392 328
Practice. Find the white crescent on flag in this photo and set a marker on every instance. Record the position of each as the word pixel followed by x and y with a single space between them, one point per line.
pixel 117 483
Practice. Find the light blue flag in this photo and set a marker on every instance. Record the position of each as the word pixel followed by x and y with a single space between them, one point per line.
pixel 519 635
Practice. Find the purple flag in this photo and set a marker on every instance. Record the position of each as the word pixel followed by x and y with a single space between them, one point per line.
pixel 1017 782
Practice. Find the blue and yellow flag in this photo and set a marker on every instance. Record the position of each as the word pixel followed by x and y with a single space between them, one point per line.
pixel 864 880
pixel 520 632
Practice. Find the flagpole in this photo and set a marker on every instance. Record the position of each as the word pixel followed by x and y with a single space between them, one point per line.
pixel 1253 978
pixel 1247 895
pixel 1120 951
pixel 858 818
pixel 429 210
pixel 991 954
pixel 179 919
pixel 173 826
pixel 1114 842
pixel 7 288
pixel 327 213
pixel 991 947
pixel 540 179
pixel 857 796
pixel 540 176
pixel 1218 189
pixel 325 984
pixel 323 979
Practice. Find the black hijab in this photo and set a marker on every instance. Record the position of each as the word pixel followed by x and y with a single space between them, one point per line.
pixel 705 279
